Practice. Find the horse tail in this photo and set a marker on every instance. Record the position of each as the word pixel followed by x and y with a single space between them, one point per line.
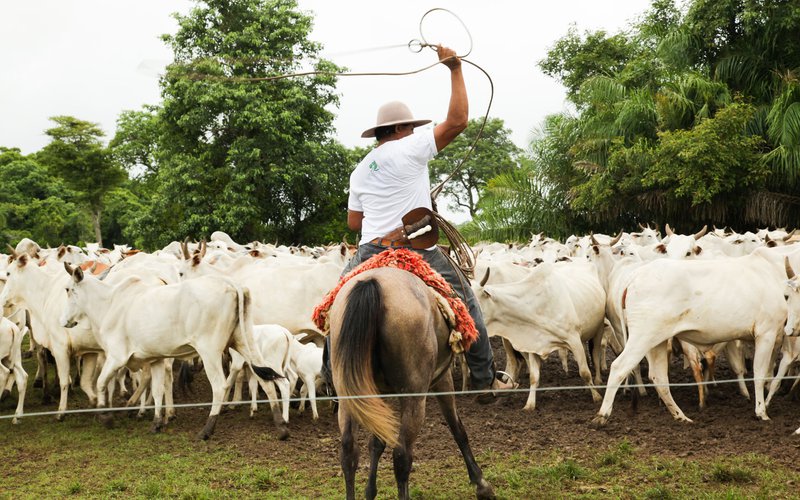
pixel 353 358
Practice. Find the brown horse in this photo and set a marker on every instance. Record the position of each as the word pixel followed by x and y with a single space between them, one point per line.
pixel 389 337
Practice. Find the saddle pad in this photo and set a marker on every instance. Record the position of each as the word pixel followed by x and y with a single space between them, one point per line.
pixel 405 259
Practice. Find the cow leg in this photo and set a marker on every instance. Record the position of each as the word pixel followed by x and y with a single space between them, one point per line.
pixel 624 364
pixel 168 397
pixel 534 368
pixel 121 382
pixel 447 404
pixel 692 355
pixel 562 355
pixel 376 447
pixel 412 415
pixel 87 377
pixel 41 374
pixel 62 368
pixel 576 346
pixel 658 359
pixel 104 380
pixel 212 363
pixel 157 388
pixel 598 357
pixel 513 367
pixel 462 362
pixel 281 420
pixel 21 377
pixel 348 454
pixel 735 355
pixel 762 358
pixel 311 386
pixel 238 387
pixel 252 386
pixel 5 379
pixel 786 362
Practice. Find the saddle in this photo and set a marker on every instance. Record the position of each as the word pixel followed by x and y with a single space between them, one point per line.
pixel 462 327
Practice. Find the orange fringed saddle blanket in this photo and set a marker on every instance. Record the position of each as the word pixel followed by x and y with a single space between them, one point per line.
pixel 412 262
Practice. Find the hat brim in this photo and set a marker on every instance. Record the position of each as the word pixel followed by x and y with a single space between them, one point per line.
pixel 370 132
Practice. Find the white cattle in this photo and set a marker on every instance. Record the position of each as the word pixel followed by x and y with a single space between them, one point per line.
pixel 138 323
pixel 555 306
pixel 306 363
pixel 11 361
pixel 283 295
pixel 274 344
pixel 42 293
pixel 790 351
pixel 680 246
pixel 704 302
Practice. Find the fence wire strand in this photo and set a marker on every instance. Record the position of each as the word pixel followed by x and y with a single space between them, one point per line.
pixel 502 393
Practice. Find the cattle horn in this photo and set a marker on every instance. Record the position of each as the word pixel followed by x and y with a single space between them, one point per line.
pixel 185 249
pixel 12 250
pixel 616 239
pixel 68 268
pixel 789 236
pixel 202 248
pixel 641 226
pixel 789 271
pixel 668 230
pixel 701 233
pixel 594 241
pixel 485 276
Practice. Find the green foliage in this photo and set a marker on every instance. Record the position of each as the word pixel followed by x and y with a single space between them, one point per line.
pixel 691 116
pixel 77 155
pixel 34 204
pixel 573 59
pixel 493 155
pixel 252 158
pixel 717 156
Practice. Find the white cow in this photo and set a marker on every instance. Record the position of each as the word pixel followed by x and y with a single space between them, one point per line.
pixel 42 293
pixel 704 302
pixel 555 306
pixel 11 361
pixel 274 344
pixel 138 323
pixel 306 362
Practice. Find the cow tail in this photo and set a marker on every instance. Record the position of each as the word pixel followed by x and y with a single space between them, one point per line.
pixel 353 355
pixel 244 337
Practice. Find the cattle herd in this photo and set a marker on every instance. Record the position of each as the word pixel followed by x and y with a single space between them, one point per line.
pixel 119 319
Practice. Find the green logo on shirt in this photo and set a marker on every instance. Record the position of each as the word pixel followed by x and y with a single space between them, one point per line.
pixel 374 166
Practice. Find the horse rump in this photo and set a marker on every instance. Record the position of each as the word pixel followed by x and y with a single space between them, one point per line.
pixel 353 356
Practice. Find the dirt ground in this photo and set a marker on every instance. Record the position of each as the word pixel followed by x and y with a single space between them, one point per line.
pixel 560 422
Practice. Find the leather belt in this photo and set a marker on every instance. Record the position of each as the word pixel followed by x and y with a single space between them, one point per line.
pixel 394 238
pixel 385 242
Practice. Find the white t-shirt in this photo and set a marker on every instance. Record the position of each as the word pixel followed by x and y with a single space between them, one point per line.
pixel 391 181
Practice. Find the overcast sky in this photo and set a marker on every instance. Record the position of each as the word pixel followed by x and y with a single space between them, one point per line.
pixel 95 58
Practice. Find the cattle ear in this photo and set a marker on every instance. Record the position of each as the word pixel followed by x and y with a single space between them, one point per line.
pixel 77 275
pixel 196 260
pixel 698 250
pixel 661 249
pixel 596 249
pixel 22 260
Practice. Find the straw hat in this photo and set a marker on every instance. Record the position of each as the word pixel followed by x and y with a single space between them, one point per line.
pixel 393 113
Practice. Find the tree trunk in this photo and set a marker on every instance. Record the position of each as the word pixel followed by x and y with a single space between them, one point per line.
pixel 96 223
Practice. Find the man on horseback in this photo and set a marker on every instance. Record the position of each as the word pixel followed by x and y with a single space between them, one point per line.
pixel 392 184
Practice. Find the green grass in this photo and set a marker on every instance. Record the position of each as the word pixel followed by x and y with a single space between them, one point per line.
pixel 80 459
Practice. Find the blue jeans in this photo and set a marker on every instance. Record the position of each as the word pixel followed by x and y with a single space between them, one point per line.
pixel 480 358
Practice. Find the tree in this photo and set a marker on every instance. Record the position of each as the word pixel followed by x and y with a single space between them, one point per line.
pixel 77 155
pixel 35 204
pixel 252 158
pixel 494 154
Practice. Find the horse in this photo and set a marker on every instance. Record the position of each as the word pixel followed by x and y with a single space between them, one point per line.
pixel 388 336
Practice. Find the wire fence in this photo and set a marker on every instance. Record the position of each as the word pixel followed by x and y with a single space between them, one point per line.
pixel 390 396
